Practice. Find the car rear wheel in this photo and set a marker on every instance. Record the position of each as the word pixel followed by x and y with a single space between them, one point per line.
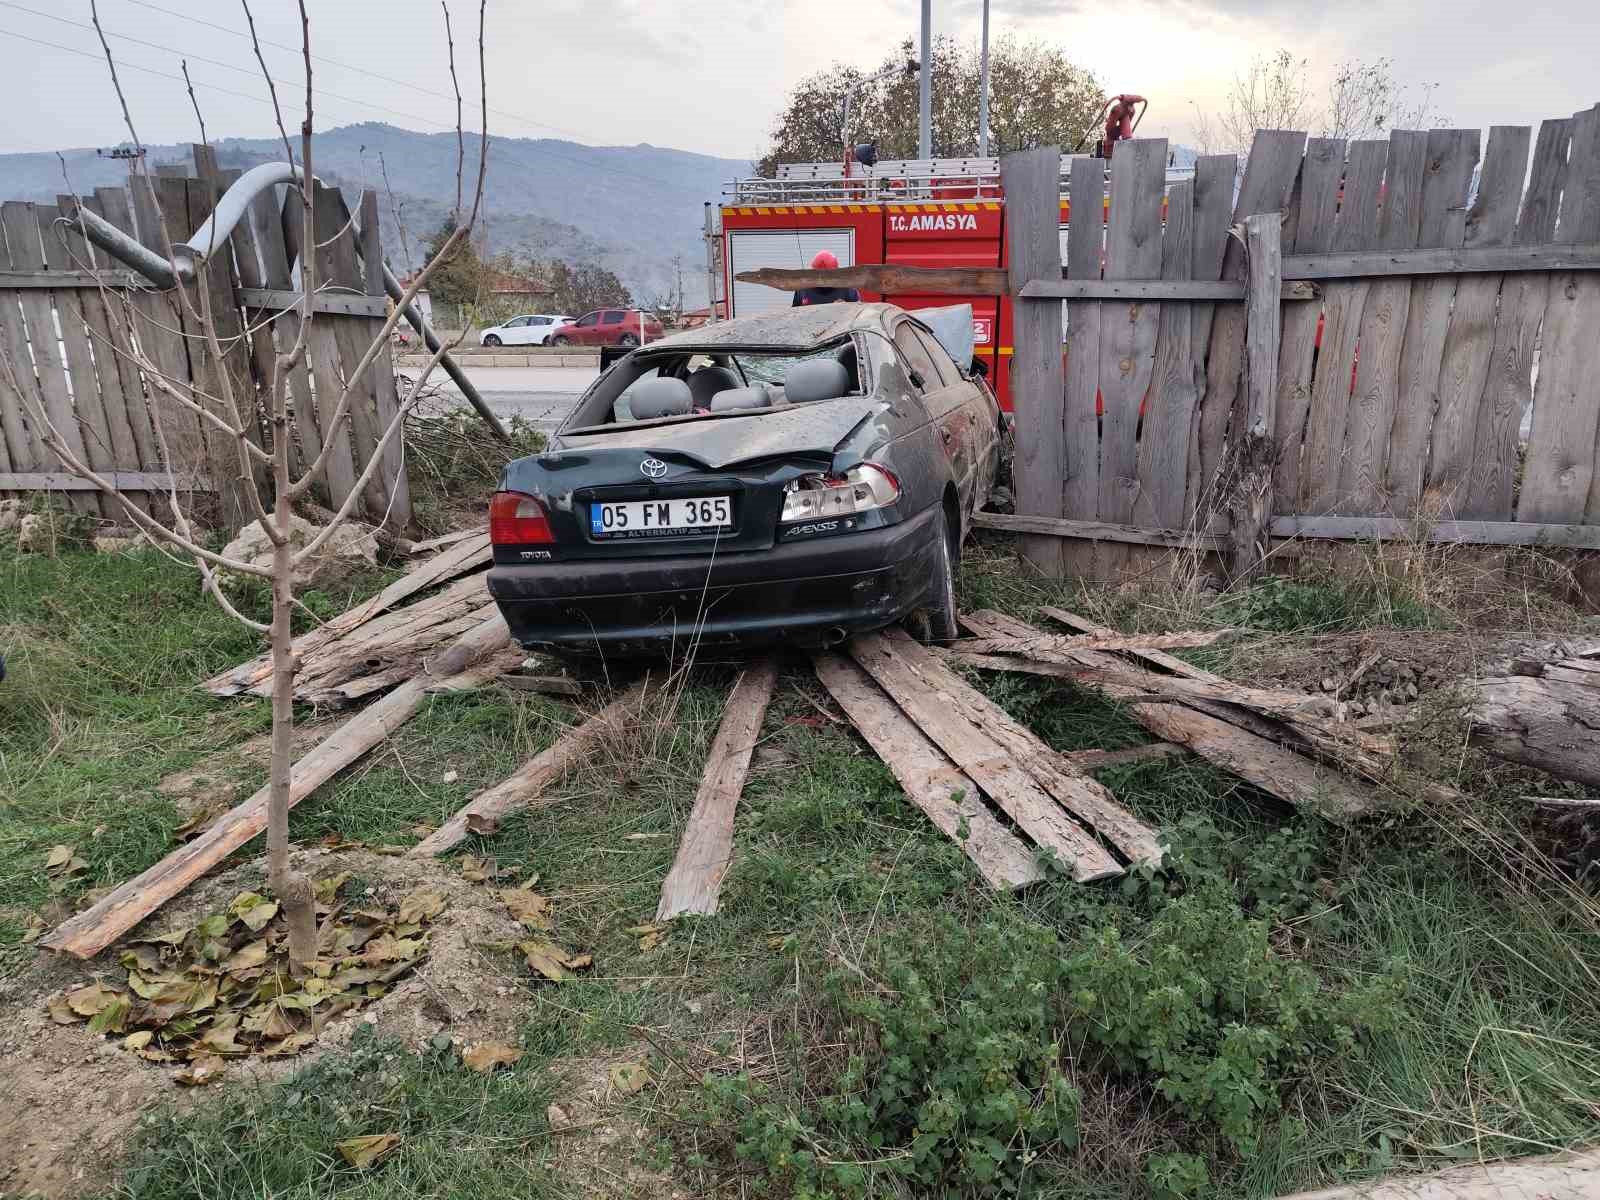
pixel 491 340
pixel 628 340
pixel 558 340
pixel 936 623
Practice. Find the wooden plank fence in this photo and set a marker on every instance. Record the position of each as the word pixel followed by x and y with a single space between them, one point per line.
pixel 70 318
pixel 1440 379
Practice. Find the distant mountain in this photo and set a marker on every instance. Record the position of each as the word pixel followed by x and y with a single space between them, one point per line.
pixel 631 208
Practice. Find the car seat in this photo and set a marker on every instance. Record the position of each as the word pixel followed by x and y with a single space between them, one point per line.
pixel 661 397
pixel 708 381
pixel 754 396
pixel 816 379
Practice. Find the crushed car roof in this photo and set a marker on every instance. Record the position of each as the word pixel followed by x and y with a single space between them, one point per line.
pixel 802 328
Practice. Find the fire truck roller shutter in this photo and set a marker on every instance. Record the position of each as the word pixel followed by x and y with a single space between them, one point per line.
pixel 792 249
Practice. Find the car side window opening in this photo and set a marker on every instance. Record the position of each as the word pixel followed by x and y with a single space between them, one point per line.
pixel 516 321
pixel 588 319
pixel 940 356
pixel 611 318
pixel 916 356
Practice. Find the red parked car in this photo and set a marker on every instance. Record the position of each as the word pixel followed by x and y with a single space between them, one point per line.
pixel 610 327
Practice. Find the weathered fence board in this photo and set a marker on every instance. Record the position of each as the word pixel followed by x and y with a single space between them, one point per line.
pixel 75 325
pixel 1456 309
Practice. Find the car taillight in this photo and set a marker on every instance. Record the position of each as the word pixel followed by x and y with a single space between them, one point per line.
pixel 517 519
pixel 859 489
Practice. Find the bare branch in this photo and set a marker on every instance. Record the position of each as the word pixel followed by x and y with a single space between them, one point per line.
pixel 461 141
pixel 194 101
pixel 127 117
pixel 277 111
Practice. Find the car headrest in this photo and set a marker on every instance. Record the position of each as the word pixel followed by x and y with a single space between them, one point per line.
pixel 816 379
pixel 754 396
pixel 708 381
pixel 665 397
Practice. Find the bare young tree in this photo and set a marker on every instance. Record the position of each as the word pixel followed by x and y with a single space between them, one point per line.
pixel 1280 91
pixel 234 418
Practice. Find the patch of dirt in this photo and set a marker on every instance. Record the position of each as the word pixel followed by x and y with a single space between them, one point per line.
pixel 212 787
pixel 69 1097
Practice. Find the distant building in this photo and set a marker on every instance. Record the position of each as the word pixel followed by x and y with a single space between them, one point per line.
pixel 693 318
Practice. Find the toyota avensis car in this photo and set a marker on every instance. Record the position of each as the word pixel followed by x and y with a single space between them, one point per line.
pixel 798 476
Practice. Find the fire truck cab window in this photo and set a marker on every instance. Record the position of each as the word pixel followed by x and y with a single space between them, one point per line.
pixel 916 357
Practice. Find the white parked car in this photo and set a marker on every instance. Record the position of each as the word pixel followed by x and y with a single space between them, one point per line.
pixel 531 329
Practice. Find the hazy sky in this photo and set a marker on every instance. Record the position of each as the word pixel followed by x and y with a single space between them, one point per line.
pixel 708 75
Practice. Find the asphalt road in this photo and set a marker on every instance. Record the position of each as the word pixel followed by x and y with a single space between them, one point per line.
pixel 541 395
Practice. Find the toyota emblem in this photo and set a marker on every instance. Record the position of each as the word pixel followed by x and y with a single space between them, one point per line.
pixel 653 468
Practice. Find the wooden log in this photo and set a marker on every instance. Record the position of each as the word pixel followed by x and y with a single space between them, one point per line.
pixel 1551 722
pixel 548 685
pixel 531 779
pixel 949 797
pixel 1033 216
pixel 1058 643
pixel 1571 1175
pixel 977 753
pixel 92 930
pixel 1104 760
pixel 332 303
pixel 1257 760
pixel 694 883
pixel 1085 799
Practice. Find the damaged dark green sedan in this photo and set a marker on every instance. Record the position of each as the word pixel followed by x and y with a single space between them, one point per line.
pixel 795 477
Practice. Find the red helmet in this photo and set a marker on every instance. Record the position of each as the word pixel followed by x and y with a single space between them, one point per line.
pixel 824 261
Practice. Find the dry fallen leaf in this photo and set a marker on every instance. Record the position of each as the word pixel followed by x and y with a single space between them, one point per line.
pixel 551 961
pixel 420 904
pixel 364 1152
pixel 642 837
pixel 649 935
pixel 255 911
pixel 529 908
pixel 482 824
pixel 34 931
pixel 328 887
pixel 58 858
pixel 204 1069
pixel 628 1078
pixel 423 830
pixel 486 1056
pixel 449 777
pixel 477 870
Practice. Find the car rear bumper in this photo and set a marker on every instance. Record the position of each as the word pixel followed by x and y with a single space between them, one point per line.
pixel 809 593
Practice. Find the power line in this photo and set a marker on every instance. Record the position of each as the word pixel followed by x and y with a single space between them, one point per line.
pixel 510 150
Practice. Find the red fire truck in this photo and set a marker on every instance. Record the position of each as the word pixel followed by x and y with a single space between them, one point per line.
pixel 929 213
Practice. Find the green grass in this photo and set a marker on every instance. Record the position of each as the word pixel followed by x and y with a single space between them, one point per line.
pixel 1451 1010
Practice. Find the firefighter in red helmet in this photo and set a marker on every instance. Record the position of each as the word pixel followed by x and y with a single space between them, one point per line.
pixel 824 261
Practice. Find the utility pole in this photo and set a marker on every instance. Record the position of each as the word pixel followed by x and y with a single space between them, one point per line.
pixel 983 88
pixel 925 98
pixel 711 264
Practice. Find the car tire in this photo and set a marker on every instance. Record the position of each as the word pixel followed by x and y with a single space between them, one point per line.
pixel 628 340
pixel 491 340
pixel 560 341
pixel 936 623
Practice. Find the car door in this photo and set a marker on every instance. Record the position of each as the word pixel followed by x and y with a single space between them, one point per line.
pixel 539 330
pixel 977 422
pixel 611 327
pixel 586 333
pixel 515 331
pixel 945 395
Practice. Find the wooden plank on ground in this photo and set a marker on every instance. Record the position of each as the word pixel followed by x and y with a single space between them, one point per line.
pixel 1560 462
pixel 1270 767
pixel 1175 388
pixel 1570 1175
pixel 948 797
pixel 1127 335
pixel 1508 392
pixel 1089 802
pixel 1342 304
pixel 92 930
pixel 694 883
pixel 1268 182
pixel 1381 333
pixel 1318 197
pixel 1452 160
pixel 972 749
pixel 1105 760
pixel 1080 423
pixel 1033 246
pixel 1469 336
pixel 1058 643
pixel 534 776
